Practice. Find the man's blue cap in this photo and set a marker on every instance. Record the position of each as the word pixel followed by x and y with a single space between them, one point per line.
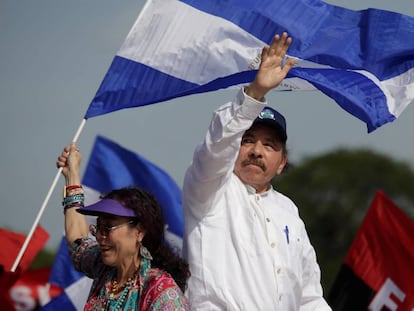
pixel 107 206
pixel 274 119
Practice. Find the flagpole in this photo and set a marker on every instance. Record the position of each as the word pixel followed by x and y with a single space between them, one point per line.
pixel 43 207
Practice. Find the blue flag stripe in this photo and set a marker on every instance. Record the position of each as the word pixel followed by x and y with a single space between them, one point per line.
pixel 145 85
pixel 373 109
pixel 61 275
pixel 61 303
pixel 326 80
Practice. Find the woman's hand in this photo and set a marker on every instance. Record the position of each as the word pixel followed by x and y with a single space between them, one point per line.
pixel 69 160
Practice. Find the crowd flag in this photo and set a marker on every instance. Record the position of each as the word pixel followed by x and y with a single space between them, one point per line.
pixel 11 243
pixel 111 166
pixel 31 291
pixel 362 59
pixel 74 285
pixel 378 272
pixel 7 280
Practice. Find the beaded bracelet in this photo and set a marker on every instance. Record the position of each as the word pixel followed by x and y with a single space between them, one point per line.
pixel 73 198
pixel 75 204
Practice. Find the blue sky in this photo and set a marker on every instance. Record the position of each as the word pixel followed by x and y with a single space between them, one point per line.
pixel 54 55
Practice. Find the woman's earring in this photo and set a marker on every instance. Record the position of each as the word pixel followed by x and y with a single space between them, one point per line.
pixel 144 252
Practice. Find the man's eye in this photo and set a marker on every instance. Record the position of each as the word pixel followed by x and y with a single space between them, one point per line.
pixel 247 141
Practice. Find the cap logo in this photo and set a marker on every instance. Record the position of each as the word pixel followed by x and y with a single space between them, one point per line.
pixel 267 114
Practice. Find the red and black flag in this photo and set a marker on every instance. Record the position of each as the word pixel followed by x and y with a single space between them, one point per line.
pixel 378 272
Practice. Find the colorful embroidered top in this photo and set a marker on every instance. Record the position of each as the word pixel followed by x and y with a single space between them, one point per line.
pixel 152 289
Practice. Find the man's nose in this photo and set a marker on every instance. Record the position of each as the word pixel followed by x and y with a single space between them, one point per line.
pixel 257 149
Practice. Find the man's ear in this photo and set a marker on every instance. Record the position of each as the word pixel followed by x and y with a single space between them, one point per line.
pixel 282 165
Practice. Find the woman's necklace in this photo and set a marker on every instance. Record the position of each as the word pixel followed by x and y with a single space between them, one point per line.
pixel 117 303
pixel 116 288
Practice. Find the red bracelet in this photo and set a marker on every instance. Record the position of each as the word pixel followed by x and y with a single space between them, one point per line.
pixel 73 187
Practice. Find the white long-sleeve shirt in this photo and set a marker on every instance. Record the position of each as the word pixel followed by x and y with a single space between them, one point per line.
pixel 246 251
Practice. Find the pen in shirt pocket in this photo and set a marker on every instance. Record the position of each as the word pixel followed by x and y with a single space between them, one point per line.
pixel 287 233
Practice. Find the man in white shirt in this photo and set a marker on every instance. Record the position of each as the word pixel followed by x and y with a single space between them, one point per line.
pixel 245 242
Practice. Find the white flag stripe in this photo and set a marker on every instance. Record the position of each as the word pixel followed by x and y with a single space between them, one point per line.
pixel 78 292
pixel 159 32
pixel 400 90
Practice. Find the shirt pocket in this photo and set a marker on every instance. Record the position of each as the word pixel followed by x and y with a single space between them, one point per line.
pixel 251 234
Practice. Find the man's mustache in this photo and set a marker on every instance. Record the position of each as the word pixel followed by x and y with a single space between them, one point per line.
pixel 256 162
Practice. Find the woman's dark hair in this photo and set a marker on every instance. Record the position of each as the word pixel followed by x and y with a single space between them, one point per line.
pixel 151 220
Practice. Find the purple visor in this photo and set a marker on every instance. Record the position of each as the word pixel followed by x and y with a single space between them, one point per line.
pixel 107 206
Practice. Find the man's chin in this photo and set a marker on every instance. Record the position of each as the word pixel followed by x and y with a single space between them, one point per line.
pixel 252 176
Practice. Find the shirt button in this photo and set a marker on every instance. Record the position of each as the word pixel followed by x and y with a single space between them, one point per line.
pixel 280 298
pixel 273 245
pixel 278 270
pixel 267 219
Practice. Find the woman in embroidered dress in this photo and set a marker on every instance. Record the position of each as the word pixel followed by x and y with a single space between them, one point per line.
pixel 132 267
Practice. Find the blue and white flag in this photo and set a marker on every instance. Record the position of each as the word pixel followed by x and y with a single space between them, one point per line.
pixel 362 59
pixel 75 285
